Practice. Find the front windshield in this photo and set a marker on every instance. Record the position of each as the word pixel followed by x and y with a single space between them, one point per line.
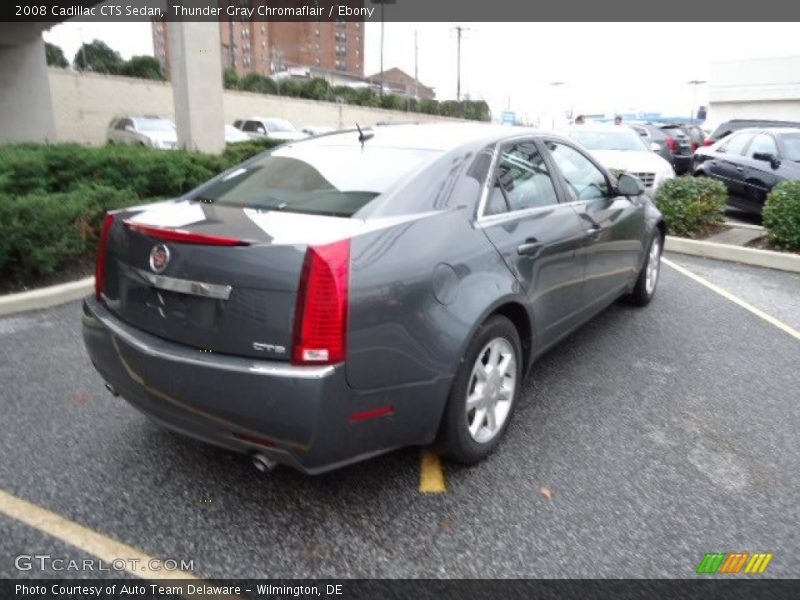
pixel 791 146
pixel 625 140
pixel 335 180
pixel 279 125
pixel 155 125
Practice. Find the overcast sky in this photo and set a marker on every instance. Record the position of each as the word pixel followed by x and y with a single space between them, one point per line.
pixel 604 67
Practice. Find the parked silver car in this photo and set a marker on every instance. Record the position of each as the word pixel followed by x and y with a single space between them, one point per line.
pixel 156 132
pixel 279 129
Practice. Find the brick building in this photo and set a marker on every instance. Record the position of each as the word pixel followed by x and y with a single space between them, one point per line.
pixel 270 47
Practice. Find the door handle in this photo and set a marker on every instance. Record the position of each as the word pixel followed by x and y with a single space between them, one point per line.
pixel 593 233
pixel 740 169
pixel 531 247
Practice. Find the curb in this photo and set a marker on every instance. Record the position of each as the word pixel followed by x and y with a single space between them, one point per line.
pixel 734 225
pixel 749 256
pixel 46 297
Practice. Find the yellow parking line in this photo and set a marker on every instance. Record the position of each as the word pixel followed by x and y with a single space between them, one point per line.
pixel 431 473
pixel 83 538
pixel 735 299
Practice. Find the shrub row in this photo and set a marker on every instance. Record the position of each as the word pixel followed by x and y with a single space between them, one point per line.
pixel 53 198
pixel 319 89
pixel 29 168
pixel 691 205
pixel 781 215
pixel 694 205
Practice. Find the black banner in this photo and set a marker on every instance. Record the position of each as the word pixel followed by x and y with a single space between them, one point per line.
pixel 398 10
pixel 348 589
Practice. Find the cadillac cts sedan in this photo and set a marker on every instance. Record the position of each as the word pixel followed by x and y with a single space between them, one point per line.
pixel 342 296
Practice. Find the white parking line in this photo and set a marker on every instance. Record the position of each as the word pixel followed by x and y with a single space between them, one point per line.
pixel 735 299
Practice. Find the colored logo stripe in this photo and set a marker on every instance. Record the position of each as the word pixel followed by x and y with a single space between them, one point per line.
pixel 721 562
pixel 759 562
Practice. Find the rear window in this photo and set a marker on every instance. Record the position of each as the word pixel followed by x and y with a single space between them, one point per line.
pixel 316 179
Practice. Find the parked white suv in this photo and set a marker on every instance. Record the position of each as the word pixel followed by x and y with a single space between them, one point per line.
pixel 156 132
pixel 279 129
pixel 620 148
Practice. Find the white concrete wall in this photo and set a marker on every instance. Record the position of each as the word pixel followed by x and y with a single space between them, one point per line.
pixel 85 103
pixel 760 88
pixel 786 110
pixel 26 114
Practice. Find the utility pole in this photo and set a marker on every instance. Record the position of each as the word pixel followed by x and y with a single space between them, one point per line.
pixel 416 65
pixel 459 30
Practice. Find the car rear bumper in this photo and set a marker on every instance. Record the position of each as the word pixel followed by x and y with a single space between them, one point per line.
pixel 304 417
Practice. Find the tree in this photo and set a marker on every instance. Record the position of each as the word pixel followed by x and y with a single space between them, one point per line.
pixel 98 57
pixel 255 82
pixel 230 79
pixel 55 56
pixel 144 67
pixel 315 89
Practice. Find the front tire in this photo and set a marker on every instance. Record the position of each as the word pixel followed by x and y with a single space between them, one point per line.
pixel 646 284
pixel 484 393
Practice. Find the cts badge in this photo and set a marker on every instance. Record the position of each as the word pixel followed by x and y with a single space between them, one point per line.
pixel 159 258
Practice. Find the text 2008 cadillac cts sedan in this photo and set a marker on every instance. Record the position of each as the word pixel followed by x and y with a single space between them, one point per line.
pixel 345 295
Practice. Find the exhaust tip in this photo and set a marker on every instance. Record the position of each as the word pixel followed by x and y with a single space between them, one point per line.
pixel 263 463
pixel 111 390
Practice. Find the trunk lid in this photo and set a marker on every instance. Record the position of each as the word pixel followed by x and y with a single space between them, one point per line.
pixel 231 299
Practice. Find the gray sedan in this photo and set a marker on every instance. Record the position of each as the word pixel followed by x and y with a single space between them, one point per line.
pixel 338 297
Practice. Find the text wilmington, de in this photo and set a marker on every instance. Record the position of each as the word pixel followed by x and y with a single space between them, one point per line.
pixel 263 10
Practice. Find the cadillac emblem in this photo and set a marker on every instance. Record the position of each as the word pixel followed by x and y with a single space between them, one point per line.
pixel 159 258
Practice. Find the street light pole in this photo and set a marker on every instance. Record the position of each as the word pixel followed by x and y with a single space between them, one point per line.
pixel 694 83
pixel 554 84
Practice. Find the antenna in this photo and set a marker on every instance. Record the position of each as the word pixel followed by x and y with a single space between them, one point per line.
pixel 363 137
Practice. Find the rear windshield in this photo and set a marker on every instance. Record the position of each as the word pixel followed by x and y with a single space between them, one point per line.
pixel 316 179
pixel 625 140
pixel 155 125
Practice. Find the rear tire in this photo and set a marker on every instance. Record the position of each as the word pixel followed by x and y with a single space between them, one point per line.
pixel 484 393
pixel 647 282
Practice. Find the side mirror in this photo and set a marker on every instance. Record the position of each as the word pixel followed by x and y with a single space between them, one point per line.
pixel 655 147
pixel 261 131
pixel 773 160
pixel 629 185
pixel 130 129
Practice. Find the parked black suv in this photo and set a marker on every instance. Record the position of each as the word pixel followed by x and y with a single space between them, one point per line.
pixel 670 142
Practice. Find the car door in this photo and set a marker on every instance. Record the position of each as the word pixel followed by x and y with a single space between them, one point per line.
pixel 727 164
pixel 760 175
pixel 536 233
pixel 612 225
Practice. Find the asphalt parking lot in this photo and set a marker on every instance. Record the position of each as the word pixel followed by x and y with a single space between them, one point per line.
pixel 647 439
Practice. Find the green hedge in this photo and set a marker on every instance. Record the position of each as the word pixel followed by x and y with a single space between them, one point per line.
pixel 691 205
pixel 319 89
pixel 781 215
pixel 53 198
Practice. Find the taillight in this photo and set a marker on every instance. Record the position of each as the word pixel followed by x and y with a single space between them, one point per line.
pixel 671 143
pixel 102 249
pixel 320 322
pixel 183 236
pixel 708 142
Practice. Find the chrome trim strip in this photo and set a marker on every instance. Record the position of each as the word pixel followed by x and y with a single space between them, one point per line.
pixel 186 286
pixel 138 340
